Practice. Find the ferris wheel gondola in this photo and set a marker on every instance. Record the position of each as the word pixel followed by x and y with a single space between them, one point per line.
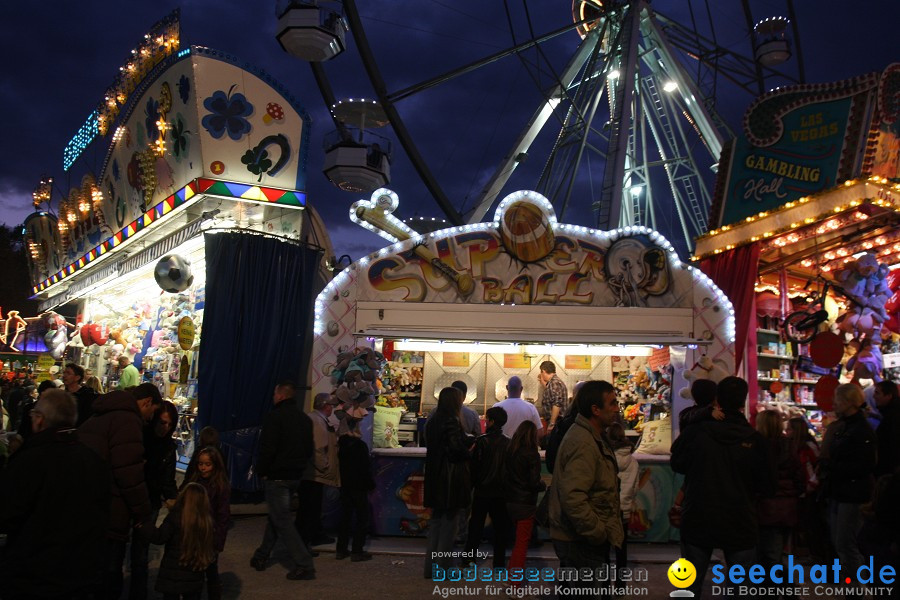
pixel 631 115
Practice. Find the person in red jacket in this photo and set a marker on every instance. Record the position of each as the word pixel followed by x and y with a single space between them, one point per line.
pixel 115 433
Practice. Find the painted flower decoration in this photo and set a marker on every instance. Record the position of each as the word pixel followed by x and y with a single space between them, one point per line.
pixel 179 138
pixel 228 115
pixel 257 162
pixel 115 169
pixel 184 88
pixel 152 113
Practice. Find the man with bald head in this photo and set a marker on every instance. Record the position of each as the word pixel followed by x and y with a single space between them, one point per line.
pixel 54 508
pixel 517 410
pixel 322 470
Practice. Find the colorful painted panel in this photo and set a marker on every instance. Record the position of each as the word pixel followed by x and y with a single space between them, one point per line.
pixel 248 131
pixel 797 141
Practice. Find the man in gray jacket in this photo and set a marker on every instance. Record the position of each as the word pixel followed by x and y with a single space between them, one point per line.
pixel 584 497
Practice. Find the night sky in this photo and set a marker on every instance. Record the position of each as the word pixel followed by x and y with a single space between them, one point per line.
pixel 61 56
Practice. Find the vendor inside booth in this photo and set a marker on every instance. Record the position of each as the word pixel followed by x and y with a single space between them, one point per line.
pixel 480 303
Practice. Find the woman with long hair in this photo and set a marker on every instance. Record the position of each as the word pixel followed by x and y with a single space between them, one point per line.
pixel 778 515
pixel 523 482
pixel 448 486
pixel 211 475
pixel 159 475
pixel 187 533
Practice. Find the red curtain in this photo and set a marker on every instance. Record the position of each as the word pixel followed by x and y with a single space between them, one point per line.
pixel 735 272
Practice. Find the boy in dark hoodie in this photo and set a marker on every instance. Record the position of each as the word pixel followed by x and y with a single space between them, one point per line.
pixel 488 456
pixel 721 464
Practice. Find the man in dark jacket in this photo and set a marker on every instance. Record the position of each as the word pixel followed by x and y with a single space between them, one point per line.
pixel 722 463
pixel 54 504
pixel 285 448
pixel 115 433
pixel 846 467
pixel 73 380
pixel 487 480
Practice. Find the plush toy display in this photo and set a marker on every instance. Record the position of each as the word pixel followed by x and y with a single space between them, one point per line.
pixel 865 285
pixel 355 377
pixel 706 368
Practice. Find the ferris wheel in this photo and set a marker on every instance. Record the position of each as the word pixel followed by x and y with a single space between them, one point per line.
pixel 624 128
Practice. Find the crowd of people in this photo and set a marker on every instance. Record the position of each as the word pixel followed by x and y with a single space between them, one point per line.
pixel 758 493
pixel 755 492
pixel 112 458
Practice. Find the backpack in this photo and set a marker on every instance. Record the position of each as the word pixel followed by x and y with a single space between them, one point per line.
pixel 555 438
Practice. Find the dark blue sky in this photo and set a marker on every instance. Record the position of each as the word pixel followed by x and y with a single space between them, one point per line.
pixel 62 55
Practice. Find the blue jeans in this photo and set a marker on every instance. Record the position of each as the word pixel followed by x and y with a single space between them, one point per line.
pixel 699 557
pixel 280 525
pixel 581 555
pixel 441 533
pixel 845 522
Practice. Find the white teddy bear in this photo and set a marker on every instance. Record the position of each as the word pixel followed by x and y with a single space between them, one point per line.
pixel 706 368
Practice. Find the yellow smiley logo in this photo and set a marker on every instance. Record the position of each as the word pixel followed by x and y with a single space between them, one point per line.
pixel 682 573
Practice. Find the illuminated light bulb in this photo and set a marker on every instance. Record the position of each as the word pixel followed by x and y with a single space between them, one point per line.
pixel 767 234
pixel 830 256
pixel 867 245
pixel 806 263
pixel 794 225
pixel 826 268
pixel 808 220
pixel 880 240
pixel 842 252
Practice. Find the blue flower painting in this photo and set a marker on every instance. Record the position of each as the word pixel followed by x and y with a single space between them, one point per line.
pixel 228 114
pixel 184 88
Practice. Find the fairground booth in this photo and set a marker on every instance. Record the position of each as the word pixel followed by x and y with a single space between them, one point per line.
pixel 483 302
pixel 807 241
pixel 192 250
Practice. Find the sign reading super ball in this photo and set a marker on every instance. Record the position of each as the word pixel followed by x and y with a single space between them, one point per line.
pixel 804 159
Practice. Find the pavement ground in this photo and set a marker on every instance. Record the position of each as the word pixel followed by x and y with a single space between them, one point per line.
pixel 396 571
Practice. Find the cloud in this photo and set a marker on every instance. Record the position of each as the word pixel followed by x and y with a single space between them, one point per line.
pixel 15 202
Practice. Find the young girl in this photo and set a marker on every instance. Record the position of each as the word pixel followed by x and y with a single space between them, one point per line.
pixel 210 474
pixel 187 533
pixel 208 436
pixel 628 478
pixel 523 482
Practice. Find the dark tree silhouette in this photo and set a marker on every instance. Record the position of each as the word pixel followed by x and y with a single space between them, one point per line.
pixel 15 282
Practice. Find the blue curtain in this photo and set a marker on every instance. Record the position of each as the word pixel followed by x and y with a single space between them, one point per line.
pixel 257 330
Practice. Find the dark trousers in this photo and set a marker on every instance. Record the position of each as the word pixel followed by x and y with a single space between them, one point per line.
pixel 699 557
pixel 309 511
pixel 581 555
pixel 496 508
pixel 213 581
pixel 353 503
pixel 140 558
pixel 622 552
pixel 113 579
pixel 193 596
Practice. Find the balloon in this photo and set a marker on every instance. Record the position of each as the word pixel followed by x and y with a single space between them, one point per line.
pixel 893 324
pixel 826 350
pixel 893 279
pixel 824 391
pixel 893 303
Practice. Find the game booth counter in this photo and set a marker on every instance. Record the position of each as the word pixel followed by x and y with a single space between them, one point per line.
pixel 486 301
pixel 179 245
pixel 805 241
